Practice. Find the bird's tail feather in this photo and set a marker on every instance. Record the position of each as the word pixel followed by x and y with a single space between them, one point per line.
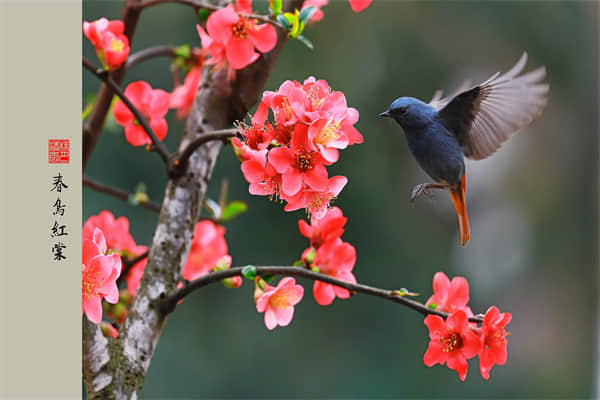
pixel 458 198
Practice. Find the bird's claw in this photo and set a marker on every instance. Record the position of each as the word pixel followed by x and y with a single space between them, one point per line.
pixel 421 189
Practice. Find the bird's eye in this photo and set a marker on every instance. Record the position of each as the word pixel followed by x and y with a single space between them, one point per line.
pixel 402 110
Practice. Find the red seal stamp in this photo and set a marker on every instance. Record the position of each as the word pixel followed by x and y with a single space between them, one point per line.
pixel 58 151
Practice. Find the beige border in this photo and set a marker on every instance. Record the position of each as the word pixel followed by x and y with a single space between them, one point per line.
pixel 40 299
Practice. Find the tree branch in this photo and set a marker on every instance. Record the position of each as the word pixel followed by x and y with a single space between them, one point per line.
pixel 201 5
pixel 179 166
pixel 169 303
pixel 120 194
pixel 103 75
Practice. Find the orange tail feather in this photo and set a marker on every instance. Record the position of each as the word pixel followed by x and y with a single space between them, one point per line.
pixel 458 198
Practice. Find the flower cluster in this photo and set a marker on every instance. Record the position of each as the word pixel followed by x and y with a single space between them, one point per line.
pixel 328 254
pixel 111 45
pixel 99 274
pixel 287 158
pixel 356 5
pixel 231 38
pixel 455 340
pixel 152 103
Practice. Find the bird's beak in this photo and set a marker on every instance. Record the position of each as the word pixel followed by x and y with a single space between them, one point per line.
pixel 385 114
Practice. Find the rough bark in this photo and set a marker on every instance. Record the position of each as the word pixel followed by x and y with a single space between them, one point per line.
pixel 218 104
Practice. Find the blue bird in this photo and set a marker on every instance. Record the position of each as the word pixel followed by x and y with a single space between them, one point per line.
pixel 472 122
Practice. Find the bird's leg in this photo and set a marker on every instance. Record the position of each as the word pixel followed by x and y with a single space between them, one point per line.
pixel 423 189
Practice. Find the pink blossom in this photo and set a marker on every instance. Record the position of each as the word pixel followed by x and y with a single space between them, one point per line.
pixel 183 96
pixel 452 342
pixel 299 165
pixel 318 15
pixel 331 226
pixel 95 30
pixel 316 203
pixel 134 276
pixel 334 258
pixel 208 247
pixel 214 48
pixel 493 337
pixel 278 302
pixel 450 296
pixel 99 275
pixel 152 103
pixel 359 5
pixel 111 45
pixel 116 231
pixel 239 35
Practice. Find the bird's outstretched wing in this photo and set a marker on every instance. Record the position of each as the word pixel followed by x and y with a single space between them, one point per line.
pixel 438 102
pixel 485 116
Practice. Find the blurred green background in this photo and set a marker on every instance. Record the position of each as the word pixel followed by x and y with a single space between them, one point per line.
pixel 532 209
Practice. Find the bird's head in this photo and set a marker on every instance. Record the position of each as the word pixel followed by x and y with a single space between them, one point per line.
pixel 409 112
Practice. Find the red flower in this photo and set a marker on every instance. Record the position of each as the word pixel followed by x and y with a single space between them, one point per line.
pixel 116 231
pixel 316 203
pixel 239 36
pixel 99 273
pixel 208 247
pixel 278 302
pixel 95 30
pixel 111 45
pixel 450 296
pixel 318 15
pixel 259 135
pixel 359 5
pixel 152 103
pixel 452 341
pixel 334 258
pixel 134 276
pixel 116 50
pixel 493 336
pixel 331 226
pixel 183 96
pixel 298 164
pixel 212 47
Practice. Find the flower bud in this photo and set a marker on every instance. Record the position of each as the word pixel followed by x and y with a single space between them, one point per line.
pixel 232 283
pixel 108 330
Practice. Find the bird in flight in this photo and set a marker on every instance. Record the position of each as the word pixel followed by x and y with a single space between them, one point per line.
pixel 472 122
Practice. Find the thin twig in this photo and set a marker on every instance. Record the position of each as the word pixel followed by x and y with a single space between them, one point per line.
pixel 169 303
pixel 103 75
pixel 151 52
pixel 200 5
pixel 120 194
pixel 180 163
pixel 128 263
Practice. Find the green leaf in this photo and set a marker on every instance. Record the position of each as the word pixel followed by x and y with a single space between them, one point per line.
pixel 283 21
pixel 183 51
pixel 275 6
pixel 306 13
pixel 233 209
pixel 268 278
pixel 315 269
pixel 305 41
pixel 249 272
pixel 203 14
pixel 433 306
pixel 298 263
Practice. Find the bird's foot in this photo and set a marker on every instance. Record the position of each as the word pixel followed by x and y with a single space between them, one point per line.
pixel 424 189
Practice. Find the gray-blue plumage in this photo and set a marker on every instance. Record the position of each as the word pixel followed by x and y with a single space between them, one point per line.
pixel 436 150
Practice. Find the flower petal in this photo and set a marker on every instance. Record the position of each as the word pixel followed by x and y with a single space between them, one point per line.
pixel 263 37
pixel 219 24
pixel 240 53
